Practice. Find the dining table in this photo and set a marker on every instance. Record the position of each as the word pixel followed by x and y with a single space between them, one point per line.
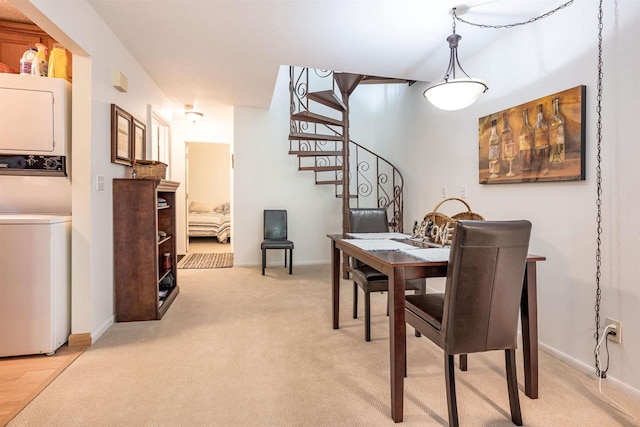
pixel 399 266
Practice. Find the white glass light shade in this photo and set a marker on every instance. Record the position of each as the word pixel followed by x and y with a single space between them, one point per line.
pixel 194 116
pixel 455 94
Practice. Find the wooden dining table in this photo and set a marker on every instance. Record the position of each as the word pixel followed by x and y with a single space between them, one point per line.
pixel 400 267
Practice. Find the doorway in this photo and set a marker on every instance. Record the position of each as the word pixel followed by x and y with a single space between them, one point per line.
pixel 208 194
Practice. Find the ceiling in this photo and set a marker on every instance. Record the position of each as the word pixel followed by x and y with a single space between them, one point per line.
pixel 211 52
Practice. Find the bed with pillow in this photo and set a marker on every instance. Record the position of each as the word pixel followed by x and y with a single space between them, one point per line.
pixel 206 220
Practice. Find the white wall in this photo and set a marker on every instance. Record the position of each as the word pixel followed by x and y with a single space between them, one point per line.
pixel 209 173
pixel 378 119
pixel 76 25
pixel 532 62
pixel 267 177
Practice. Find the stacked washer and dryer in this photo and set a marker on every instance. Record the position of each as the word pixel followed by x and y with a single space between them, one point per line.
pixel 35 215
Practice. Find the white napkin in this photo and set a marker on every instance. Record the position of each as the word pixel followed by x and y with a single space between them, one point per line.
pixel 378 244
pixel 429 254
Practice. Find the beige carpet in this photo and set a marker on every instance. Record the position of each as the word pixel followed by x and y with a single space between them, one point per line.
pixel 209 260
pixel 240 349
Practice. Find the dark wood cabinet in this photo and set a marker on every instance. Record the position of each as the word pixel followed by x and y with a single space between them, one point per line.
pixel 144 248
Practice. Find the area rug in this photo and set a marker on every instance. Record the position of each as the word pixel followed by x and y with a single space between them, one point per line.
pixel 214 260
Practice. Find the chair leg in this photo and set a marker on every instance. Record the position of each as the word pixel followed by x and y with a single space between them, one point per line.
pixel 406 362
pixel 264 260
pixel 451 390
pixel 388 302
pixel 285 258
pixel 422 290
pixel 290 260
pixel 463 362
pixel 512 385
pixel 367 316
pixel 355 300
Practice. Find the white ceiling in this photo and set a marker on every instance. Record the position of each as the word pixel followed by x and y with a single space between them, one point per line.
pixel 206 52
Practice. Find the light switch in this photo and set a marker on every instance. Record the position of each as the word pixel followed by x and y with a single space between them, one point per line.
pixel 100 183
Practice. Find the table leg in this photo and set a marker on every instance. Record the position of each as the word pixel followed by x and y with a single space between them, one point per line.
pixel 397 342
pixel 335 283
pixel 529 319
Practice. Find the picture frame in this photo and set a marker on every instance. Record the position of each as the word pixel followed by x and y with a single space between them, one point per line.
pixel 139 132
pixel 550 148
pixel 121 136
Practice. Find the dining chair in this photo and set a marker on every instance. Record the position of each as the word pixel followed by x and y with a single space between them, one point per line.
pixel 275 236
pixel 371 220
pixel 478 310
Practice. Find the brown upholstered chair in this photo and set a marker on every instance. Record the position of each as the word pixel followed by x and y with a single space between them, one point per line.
pixel 479 309
pixel 371 220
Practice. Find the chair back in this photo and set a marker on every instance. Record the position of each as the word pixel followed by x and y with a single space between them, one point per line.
pixel 275 224
pixel 368 220
pixel 484 285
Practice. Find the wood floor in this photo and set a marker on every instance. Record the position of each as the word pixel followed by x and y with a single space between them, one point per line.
pixel 23 378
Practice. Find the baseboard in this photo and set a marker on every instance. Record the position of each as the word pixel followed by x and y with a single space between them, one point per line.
pixel 103 328
pixel 589 370
pixel 301 264
pixel 79 340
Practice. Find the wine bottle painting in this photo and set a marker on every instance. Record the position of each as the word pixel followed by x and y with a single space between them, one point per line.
pixel 538 141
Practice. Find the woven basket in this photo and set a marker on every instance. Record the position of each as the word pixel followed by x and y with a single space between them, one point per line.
pixel 435 218
pixel 149 169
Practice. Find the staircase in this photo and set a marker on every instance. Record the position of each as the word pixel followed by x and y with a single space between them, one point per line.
pixel 319 137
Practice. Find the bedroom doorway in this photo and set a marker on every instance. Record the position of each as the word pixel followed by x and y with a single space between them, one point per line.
pixel 208 193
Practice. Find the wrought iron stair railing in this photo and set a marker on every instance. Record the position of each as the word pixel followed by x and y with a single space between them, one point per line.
pixel 318 138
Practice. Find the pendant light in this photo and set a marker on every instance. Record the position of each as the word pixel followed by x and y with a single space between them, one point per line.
pixel 455 93
pixel 192 114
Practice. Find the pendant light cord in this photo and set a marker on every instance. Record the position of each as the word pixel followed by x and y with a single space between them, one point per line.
pixel 537 18
pixel 599 373
pixel 596 335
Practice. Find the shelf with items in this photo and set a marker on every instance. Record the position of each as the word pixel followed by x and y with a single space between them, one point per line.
pixel 163 240
pixel 144 248
pixel 16 38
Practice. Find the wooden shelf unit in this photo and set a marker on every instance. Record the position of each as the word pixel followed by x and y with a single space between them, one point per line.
pixel 138 250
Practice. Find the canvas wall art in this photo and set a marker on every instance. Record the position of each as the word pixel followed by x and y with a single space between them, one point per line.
pixel 538 141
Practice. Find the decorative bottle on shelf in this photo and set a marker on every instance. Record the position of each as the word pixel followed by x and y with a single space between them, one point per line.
pixel 556 135
pixel 494 150
pixel 541 142
pixel 526 142
pixel 509 149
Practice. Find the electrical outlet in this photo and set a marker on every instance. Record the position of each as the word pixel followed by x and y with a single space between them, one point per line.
pixel 444 191
pixel 618 336
pixel 463 191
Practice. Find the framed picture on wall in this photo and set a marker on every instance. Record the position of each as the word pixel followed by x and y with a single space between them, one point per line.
pixel 121 138
pixel 538 141
pixel 138 130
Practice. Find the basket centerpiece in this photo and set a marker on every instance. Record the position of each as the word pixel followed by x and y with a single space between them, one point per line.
pixel 439 227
